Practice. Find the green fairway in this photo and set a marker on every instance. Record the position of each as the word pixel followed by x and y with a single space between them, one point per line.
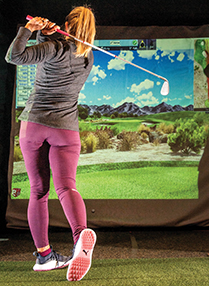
pixel 132 123
pixel 133 180
pixel 147 272
pixel 141 183
pixel 140 180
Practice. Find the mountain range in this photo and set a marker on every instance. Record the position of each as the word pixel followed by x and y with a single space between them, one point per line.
pixel 132 108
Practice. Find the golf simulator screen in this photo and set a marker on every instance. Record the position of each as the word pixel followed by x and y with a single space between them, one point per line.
pixel 127 102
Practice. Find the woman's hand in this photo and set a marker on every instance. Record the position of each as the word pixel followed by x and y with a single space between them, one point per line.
pixel 37 23
pixel 50 29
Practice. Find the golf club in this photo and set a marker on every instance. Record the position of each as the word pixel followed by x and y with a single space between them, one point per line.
pixel 165 86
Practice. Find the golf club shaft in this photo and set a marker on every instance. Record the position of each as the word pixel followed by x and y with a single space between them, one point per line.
pixel 104 51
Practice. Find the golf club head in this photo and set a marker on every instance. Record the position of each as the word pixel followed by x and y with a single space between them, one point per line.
pixel 165 88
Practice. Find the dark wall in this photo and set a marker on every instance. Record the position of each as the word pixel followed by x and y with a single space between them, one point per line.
pixel 112 13
pixel 107 13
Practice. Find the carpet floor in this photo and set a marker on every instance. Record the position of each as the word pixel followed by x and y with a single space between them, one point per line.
pixel 17 245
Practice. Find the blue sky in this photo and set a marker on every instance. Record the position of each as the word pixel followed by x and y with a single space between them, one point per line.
pixel 114 82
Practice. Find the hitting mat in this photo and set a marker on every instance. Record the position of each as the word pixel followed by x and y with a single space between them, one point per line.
pixel 153 272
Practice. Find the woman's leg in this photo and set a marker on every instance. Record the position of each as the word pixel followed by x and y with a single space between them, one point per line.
pixel 35 152
pixel 63 155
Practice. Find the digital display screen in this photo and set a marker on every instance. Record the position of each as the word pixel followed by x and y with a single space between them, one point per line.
pixel 124 99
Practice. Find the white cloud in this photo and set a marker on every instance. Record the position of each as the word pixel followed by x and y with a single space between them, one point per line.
pixel 127 99
pixel 147 99
pixel 147 84
pixel 177 45
pixel 164 100
pixel 96 74
pixel 118 64
pixel 107 97
pixel 169 47
pixel 81 98
pixel 180 57
pixel 95 79
pixel 147 54
pixel 172 99
pixel 188 96
pixel 168 54
pixel 165 53
pixel 172 54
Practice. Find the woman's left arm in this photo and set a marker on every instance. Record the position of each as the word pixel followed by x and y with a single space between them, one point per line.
pixel 19 54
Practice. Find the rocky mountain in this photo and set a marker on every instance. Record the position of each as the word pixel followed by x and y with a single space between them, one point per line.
pixel 130 107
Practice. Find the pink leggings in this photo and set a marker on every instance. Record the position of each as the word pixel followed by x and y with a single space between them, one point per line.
pixel 44 147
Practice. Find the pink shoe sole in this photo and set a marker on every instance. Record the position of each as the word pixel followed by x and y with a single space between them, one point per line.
pixel 81 262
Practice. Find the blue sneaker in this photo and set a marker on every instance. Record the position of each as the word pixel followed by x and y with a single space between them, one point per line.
pixel 52 261
pixel 80 263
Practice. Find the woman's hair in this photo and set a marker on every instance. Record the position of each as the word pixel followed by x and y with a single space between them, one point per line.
pixel 81 23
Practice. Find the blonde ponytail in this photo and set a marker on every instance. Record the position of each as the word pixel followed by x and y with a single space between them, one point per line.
pixel 81 24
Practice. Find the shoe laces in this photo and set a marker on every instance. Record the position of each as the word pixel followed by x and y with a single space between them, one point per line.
pixel 53 255
pixel 57 256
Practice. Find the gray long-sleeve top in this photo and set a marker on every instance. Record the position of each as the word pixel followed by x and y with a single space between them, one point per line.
pixel 60 76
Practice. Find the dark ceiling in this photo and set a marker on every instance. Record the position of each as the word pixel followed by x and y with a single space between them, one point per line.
pixel 109 12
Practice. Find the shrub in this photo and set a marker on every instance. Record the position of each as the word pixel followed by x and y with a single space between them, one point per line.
pixel 17 154
pixel 84 134
pixel 103 139
pixel 143 128
pixel 17 114
pixel 188 137
pixel 178 123
pixel 91 142
pixel 156 142
pixel 164 128
pixel 144 135
pixel 115 130
pixel 83 145
pixel 201 118
pixel 129 141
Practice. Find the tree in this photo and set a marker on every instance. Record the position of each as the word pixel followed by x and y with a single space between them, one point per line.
pixel 189 136
pixel 83 112
pixel 97 114
pixel 115 114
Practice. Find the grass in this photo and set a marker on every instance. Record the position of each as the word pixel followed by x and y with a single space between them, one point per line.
pixel 143 183
pixel 130 180
pixel 147 272
pixel 126 184
pixel 132 123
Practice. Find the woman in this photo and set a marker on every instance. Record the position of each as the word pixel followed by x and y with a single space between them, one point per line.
pixel 49 133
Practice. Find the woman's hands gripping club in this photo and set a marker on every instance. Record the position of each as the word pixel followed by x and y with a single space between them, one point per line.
pixel 43 24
